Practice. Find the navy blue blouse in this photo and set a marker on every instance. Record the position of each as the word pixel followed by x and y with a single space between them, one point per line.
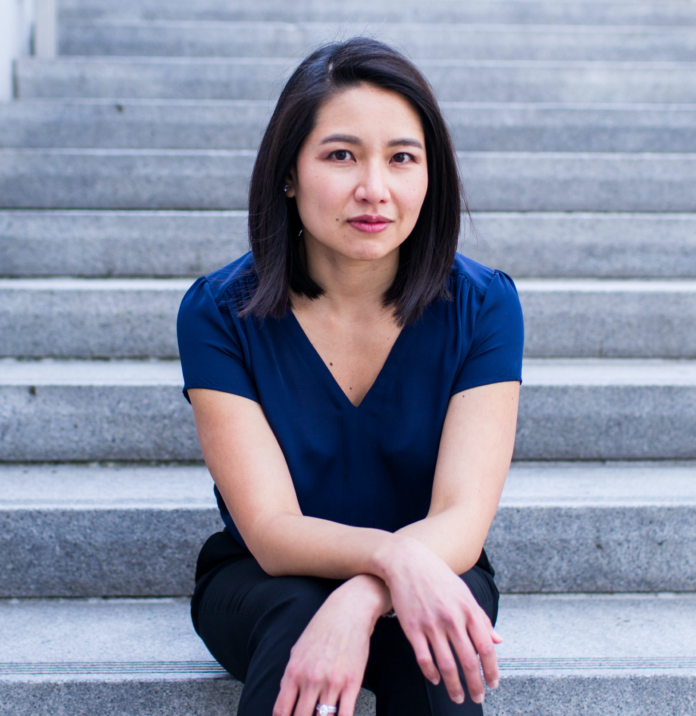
pixel 371 465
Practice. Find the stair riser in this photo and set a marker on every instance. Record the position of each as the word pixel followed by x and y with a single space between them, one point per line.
pixel 262 80
pixel 606 423
pixel 593 549
pixel 535 13
pixel 133 125
pixel 122 244
pixel 121 323
pixel 192 244
pixel 154 423
pixel 100 179
pixel 61 553
pixel 609 324
pixel 91 553
pixel 116 697
pixel 537 694
pixel 428 41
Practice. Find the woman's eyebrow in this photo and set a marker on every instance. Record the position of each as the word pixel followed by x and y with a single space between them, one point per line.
pixel 405 143
pixel 347 138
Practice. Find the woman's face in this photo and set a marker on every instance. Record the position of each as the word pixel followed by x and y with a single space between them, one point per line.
pixel 361 175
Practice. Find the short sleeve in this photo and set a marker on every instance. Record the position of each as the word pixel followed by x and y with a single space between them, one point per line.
pixel 211 348
pixel 495 352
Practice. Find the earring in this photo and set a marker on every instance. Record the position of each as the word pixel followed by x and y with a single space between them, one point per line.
pixel 286 188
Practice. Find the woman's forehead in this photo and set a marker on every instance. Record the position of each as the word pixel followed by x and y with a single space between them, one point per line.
pixel 367 111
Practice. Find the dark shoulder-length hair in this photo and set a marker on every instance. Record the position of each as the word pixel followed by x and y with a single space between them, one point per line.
pixel 426 257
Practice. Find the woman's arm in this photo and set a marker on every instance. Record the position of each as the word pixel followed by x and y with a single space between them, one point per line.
pixel 474 458
pixel 250 471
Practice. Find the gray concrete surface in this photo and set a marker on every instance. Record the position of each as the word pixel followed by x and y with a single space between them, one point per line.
pixel 607 409
pixel 132 410
pixel 102 410
pixel 123 318
pixel 584 244
pixel 75 530
pixel 90 318
pixel 644 12
pixel 608 318
pixel 218 179
pixel 562 651
pixel 419 40
pixel 192 243
pixel 123 179
pixel 263 78
pixel 239 124
pixel 122 243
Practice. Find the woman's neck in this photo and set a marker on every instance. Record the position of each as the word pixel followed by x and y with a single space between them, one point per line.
pixel 351 287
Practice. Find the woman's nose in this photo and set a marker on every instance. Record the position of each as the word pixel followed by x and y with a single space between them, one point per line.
pixel 372 186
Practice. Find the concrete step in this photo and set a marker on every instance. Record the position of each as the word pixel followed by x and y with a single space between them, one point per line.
pixel 419 40
pixel 190 243
pixel 581 409
pixel 674 13
pixel 610 654
pixel 76 530
pixel 90 318
pixel 239 124
pixel 609 318
pixel 136 318
pixel 218 179
pixel 263 78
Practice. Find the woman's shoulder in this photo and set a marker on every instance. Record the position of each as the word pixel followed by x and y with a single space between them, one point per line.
pixel 471 273
pixel 474 286
pixel 235 281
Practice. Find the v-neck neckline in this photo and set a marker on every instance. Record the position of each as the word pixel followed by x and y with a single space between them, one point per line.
pixel 326 377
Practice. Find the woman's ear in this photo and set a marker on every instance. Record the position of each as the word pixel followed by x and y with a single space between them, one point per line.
pixel 289 186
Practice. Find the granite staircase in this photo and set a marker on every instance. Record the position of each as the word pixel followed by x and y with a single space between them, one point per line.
pixel 123 174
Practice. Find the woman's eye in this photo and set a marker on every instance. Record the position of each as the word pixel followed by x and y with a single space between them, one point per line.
pixel 341 155
pixel 402 158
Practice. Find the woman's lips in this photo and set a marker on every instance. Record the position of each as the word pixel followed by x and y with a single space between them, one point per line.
pixel 370 224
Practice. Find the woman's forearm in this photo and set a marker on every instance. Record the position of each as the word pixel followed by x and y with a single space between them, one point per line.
pixel 322 548
pixel 455 535
pixel 291 544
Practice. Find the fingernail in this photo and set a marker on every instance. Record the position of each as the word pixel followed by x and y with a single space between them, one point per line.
pixel 459 699
pixel 435 680
pixel 479 699
pixel 494 684
pixel 497 636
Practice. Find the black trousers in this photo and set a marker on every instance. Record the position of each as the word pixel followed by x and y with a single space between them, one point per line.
pixel 249 621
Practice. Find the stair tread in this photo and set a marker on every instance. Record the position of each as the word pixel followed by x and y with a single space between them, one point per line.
pixel 82 486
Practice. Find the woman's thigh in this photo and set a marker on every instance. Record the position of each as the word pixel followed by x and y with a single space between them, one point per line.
pixel 250 622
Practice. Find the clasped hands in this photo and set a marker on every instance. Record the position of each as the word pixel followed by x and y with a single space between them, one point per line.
pixel 437 613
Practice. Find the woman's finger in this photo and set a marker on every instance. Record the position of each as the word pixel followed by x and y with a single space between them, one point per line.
pixel 469 661
pixel 480 635
pixel 447 665
pixel 423 656
pixel 307 701
pixel 349 697
pixel 286 698
pixel 328 697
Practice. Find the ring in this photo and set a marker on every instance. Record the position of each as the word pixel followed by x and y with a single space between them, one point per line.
pixel 325 709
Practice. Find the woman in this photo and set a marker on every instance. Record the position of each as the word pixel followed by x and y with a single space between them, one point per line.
pixel 354 384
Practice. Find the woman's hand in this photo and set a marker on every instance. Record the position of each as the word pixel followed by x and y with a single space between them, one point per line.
pixel 327 664
pixel 437 611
